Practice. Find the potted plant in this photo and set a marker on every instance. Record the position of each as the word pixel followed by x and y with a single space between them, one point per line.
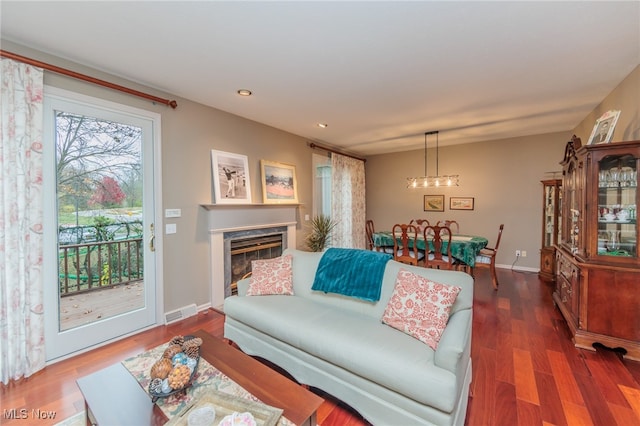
pixel 321 227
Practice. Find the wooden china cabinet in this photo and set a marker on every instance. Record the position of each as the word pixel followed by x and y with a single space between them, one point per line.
pixel 551 227
pixel 597 261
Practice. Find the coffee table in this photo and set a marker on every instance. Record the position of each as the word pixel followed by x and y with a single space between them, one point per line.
pixel 114 397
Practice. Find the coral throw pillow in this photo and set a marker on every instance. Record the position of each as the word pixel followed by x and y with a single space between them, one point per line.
pixel 271 276
pixel 420 307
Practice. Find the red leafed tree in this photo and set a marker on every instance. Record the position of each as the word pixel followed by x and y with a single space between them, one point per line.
pixel 107 194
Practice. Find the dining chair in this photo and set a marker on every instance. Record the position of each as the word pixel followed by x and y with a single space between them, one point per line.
pixel 420 223
pixel 436 259
pixel 406 249
pixel 371 229
pixel 455 227
pixel 487 259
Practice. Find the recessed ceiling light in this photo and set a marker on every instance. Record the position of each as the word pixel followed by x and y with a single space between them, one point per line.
pixel 323 125
pixel 244 92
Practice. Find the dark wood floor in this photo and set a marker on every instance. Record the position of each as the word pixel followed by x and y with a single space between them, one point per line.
pixel 525 369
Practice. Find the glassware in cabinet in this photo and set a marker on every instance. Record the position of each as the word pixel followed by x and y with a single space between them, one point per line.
pixel 617 206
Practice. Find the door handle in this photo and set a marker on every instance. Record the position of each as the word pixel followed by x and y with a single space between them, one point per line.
pixel 152 246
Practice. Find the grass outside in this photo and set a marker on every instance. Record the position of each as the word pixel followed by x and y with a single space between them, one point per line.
pixel 86 217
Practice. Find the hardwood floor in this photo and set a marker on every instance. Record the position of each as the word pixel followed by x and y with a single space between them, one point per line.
pixel 526 371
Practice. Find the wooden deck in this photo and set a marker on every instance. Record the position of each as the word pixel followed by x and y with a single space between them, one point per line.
pixel 84 308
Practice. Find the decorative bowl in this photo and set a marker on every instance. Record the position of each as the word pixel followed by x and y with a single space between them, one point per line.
pixel 157 392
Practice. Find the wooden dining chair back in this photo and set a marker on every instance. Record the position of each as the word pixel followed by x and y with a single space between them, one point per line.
pixel 370 229
pixel 420 223
pixel 405 249
pixel 452 224
pixel 487 258
pixel 371 243
pixel 440 257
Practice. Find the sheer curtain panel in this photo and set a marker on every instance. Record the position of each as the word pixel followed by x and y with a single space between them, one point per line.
pixel 348 204
pixel 22 350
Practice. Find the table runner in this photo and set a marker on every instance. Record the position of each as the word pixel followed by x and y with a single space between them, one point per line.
pixel 207 377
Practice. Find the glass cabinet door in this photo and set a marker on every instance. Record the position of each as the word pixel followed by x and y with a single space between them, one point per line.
pixel 549 215
pixel 617 208
pixel 572 232
pixel 559 230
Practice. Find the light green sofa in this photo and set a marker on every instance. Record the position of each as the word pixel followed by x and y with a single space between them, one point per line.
pixel 340 345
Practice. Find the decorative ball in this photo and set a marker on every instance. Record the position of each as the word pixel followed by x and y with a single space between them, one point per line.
pixel 179 358
pixel 161 368
pixel 191 363
pixel 166 387
pixel 155 386
pixel 179 376
pixel 171 351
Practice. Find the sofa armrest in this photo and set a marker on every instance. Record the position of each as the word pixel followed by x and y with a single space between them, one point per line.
pixel 455 343
pixel 243 286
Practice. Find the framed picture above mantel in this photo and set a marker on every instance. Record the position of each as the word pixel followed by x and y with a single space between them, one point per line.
pixel 231 182
pixel 279 184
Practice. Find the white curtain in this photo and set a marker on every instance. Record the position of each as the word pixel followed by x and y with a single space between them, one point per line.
pixel 21 201
pixel 348 203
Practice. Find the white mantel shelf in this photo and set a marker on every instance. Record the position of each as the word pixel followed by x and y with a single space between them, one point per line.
pixel 218 206
pixel 247 228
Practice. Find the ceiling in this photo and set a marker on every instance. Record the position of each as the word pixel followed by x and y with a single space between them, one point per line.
pixel 380 74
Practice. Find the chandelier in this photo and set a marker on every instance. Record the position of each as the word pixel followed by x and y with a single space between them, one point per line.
pixel 427 181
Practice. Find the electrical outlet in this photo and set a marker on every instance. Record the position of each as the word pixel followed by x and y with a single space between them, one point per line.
pixel 524 253
pixel 517 253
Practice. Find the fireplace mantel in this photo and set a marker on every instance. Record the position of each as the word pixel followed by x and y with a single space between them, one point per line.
pixel 256 205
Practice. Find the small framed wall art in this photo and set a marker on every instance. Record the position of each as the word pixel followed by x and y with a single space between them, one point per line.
pixel 461 203
pixel 230 178
pixel 603 130
pixel 434 203
pixel 279 185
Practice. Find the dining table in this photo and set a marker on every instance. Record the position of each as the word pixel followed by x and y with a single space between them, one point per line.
pixel 463 247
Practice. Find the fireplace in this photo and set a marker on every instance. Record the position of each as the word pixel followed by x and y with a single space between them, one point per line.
pixel 243 247
pixel 240 224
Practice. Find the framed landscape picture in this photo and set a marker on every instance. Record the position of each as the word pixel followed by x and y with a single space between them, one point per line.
pixel 434 203
pixel 231 181
pixel 279 185
pixel 460 203
pixel 603 130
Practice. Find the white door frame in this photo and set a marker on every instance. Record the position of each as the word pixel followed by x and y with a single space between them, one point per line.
pixel 50 237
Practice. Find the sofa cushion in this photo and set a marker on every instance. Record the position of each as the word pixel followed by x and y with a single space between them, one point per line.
pixel 420 307
pixel 271 276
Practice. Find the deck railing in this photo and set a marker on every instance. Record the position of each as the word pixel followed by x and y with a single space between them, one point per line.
pixel 96 265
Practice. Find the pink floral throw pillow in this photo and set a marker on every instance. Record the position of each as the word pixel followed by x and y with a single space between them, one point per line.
pixel 420 307
pixel 271 276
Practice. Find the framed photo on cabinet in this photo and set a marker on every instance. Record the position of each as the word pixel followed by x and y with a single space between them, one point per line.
pixel 230 178
pixel 603 130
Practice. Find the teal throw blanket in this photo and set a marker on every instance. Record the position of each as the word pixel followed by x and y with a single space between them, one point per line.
pixel 351 272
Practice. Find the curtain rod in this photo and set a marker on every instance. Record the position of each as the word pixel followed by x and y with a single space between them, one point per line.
pixel 173 104
pixel 314 146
